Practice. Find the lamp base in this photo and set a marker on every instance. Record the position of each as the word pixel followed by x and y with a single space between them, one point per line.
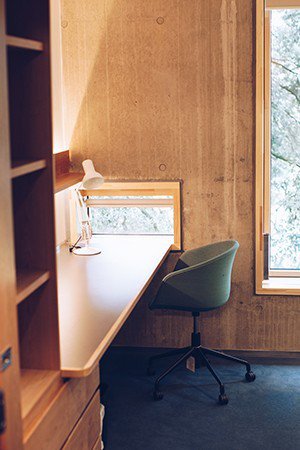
pixel 86 251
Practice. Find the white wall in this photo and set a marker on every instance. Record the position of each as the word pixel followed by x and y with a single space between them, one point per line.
pixel 61 216
pixel 56 78
pixel 67 228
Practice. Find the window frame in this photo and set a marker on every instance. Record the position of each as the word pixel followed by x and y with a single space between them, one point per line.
pixel 280 282
pixel 142 188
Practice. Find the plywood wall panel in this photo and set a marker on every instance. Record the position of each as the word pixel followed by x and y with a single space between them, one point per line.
pixel 171 82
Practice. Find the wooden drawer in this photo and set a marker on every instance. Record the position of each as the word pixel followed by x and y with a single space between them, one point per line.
pixel 87 430
pixel 98 445
pixel 54 426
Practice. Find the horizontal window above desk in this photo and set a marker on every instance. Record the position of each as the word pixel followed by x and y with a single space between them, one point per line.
pixel 136 208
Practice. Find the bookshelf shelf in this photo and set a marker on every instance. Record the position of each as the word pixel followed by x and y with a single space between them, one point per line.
pixel 29 281
pixel 38 387
pixel 23 167
pixel 24 44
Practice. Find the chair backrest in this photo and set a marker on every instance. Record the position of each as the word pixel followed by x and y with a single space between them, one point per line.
pixel 201 280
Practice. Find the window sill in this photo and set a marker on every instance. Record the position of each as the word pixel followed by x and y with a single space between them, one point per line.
pixel 280 286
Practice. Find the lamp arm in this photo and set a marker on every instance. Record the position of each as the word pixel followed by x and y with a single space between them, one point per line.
pixel 81 208
pixel 91 180
pixel 83 218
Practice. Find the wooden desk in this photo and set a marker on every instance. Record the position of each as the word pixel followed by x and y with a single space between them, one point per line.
pixel 97 293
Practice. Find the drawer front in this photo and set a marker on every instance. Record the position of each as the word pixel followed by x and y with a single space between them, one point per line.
pixel 98 445
pixel 55 425
pixel 87 429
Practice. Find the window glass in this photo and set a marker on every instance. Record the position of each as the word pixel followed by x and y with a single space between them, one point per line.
pixel 285 139
pixel 132 220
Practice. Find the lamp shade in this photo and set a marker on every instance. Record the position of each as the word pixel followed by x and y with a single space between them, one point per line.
pixel 92 179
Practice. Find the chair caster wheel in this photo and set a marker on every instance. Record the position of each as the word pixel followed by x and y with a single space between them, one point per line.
pixel 250 376
pixel 223 399
pixel 157 395
pixel 150 371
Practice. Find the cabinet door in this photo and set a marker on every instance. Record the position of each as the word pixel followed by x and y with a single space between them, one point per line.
pixel 11 436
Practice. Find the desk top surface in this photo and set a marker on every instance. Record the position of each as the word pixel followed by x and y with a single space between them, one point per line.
pixel 97 293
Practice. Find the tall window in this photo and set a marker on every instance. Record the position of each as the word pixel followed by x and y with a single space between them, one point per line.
pixel 285 139
pixel 278 146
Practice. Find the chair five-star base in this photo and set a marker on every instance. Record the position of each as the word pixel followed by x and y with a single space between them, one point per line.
pixel 200 353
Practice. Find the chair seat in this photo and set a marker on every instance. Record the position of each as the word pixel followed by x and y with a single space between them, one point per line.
pixel 179 302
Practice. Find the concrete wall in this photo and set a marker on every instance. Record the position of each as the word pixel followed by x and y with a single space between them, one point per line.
pixel 171 82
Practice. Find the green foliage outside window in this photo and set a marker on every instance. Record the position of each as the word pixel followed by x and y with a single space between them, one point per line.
pixel 132 220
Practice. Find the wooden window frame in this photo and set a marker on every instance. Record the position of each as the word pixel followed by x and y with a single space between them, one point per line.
pixel 282 4
pixel 277 284
pixel 144 188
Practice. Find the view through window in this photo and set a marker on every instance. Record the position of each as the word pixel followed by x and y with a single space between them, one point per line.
pixel 285 140
pixel 132 215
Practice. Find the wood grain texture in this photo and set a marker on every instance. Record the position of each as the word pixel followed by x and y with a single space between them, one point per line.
pixel 38 387
pixel 53 427
pixel 9 379
pixel 274 4
pixel 33 203
pixel 20 168
pixel 98 445
pixel 29 281
pixel 87 430
pixel 146 100
pixel 24 44
pixel 67 180
pixel 61 163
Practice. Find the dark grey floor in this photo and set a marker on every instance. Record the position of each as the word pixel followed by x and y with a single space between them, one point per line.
pixel 261 415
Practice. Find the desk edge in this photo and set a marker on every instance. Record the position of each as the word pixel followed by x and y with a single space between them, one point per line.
pixel 70 372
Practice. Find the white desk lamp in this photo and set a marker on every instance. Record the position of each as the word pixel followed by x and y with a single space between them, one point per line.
pixel 91 180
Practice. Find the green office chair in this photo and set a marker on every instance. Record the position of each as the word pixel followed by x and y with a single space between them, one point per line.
pixel 200 282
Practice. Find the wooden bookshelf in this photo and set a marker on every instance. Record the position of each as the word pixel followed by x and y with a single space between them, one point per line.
pixel 38 387
pixel 28 281
pixel 25 44
pixel 23 167
pixel 29 311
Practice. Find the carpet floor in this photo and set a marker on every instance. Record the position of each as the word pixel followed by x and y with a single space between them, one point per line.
pixel 260 416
